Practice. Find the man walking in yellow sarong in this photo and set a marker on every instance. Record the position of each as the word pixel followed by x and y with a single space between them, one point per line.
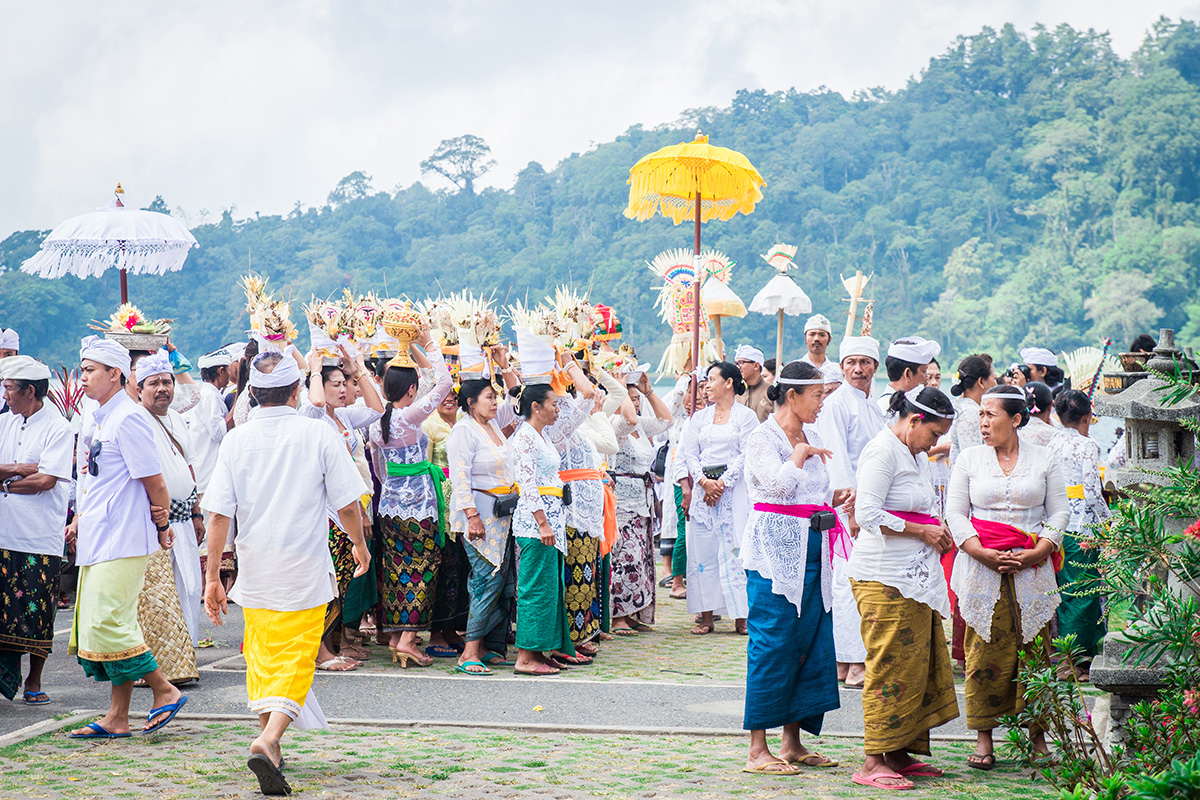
pixel 275 475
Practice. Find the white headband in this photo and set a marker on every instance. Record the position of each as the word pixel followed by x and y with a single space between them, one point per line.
pixel 801 382
pixel 911 397
pixel 286 373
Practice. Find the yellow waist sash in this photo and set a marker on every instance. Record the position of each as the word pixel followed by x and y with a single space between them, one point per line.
pixel 1075 492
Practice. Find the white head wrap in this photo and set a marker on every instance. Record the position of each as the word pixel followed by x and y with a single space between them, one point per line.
pixel 1039 356
pixel 818 322
pixel 747 353
pixel 9 340
pixel 23 368
pixel 914 350
pixel 106 352
pixel 154 364
pixel 217 358
pixel 858 346
pixel 286 373
pixel 236 350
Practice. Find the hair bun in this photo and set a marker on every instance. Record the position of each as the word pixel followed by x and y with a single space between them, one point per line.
pixel 774 393
pixel 956 389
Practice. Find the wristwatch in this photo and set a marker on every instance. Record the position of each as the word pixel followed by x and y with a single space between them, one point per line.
pixel 197 515
pixel 161 528
pixel 4 486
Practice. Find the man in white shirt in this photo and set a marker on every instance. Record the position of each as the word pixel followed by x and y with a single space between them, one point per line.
pixel 906 362
pixel 156 383
pixel 208 421
pixel 35 476
pixel 121 521
pixel 818 333
pixel 276 474
pixel 749 361
pixel 847 422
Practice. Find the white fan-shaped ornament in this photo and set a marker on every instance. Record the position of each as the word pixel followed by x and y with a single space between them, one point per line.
pixel 781 294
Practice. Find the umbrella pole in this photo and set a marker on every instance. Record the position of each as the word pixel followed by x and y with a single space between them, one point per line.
pixel 124 288
pixel 696 306
pixel 720 341
pixel 778 341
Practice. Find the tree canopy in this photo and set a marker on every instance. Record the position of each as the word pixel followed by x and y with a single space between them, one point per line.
pixel 1024 188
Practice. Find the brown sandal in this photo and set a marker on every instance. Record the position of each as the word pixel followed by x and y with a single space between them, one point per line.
pixel 701 630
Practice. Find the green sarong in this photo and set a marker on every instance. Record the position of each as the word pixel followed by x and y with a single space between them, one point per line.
pixel 679 553
pixel 105 635
pixel 1080 614
pixel 541 611
pixel 436 476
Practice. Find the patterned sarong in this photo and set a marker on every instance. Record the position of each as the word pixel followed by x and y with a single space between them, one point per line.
pixel 341 550
pixel 992 689
pixel 1078 612
pixel 28 585
pixel 909 687
pixel 582 585
pixel 408 573
pixel 281 657
pixel 633 577
pixel 791 669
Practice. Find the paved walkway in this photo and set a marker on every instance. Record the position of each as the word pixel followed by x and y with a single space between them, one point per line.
pixel 663 681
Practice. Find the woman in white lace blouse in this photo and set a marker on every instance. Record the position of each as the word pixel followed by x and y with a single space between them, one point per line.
pixel 714 447
pixel 974 377
pixel 480 474
pixel 1080 612
pixel 1007 509
pixel 410 504
pixel 899 585
pixel 791 674
pixel 540 530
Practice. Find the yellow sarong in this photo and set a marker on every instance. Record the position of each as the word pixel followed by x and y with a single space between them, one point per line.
pixel 909 686
pixel 281 657
pixel 991 687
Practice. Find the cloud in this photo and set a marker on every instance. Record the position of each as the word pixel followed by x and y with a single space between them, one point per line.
pixel 262 105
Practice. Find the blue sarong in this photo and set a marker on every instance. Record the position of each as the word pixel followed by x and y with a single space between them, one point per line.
pixel 791 670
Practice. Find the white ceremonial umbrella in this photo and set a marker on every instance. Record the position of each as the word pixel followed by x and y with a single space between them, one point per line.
pixel 781 295
pixel 133 241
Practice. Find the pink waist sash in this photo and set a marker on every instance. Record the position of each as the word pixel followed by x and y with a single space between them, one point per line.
pixel 839 538
pixel 947 558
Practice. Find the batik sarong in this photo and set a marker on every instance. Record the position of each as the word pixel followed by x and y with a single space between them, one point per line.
pixel 582 585
pixel 909 685
pixel 791 671
pixel 541 612
pixel 679 554
pixel 991 688
pixel 341 550
pixel 1080 613
pixel 28 602
pixel 280 648
pixel 493 597
pixel 105 635
pixel 408 573
pixel 633 578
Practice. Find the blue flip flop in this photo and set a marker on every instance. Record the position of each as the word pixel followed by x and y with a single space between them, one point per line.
pixel 100 733
pixel 174 708
pixel 503 662
pixel 36 698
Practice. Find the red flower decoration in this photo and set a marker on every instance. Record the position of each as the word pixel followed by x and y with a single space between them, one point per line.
pixel 1192 531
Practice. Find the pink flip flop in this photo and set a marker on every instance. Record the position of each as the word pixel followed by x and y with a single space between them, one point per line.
pixel 874 781
pixel 921 770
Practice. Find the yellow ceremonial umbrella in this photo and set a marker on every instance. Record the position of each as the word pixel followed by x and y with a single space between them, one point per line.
pixel 698 180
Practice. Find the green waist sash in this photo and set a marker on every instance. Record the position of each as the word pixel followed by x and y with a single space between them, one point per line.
pixel 436 476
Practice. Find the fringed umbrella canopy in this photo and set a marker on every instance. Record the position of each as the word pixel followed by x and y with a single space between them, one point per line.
pixel 115 236
pixel 667 182
pixel 781 295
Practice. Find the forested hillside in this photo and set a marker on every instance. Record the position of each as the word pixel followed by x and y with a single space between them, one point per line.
pixel 1025 187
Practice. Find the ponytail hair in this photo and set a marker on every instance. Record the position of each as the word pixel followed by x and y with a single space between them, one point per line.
pixel 795 371
pixel 1072 406
pixel 397 382
pixel 928 402
pixel 1038 397
pixel 971 370
pixel 730 372
pixel 530 394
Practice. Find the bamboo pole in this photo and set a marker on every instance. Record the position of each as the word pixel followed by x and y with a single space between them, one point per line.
pixel 696 306
pixel 854 298
pixel 720 341
pixel 778 341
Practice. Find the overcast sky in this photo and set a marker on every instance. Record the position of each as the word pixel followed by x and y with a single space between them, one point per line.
pixel 258 105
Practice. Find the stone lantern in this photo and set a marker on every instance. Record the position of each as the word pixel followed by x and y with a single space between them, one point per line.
pixel 1154 441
